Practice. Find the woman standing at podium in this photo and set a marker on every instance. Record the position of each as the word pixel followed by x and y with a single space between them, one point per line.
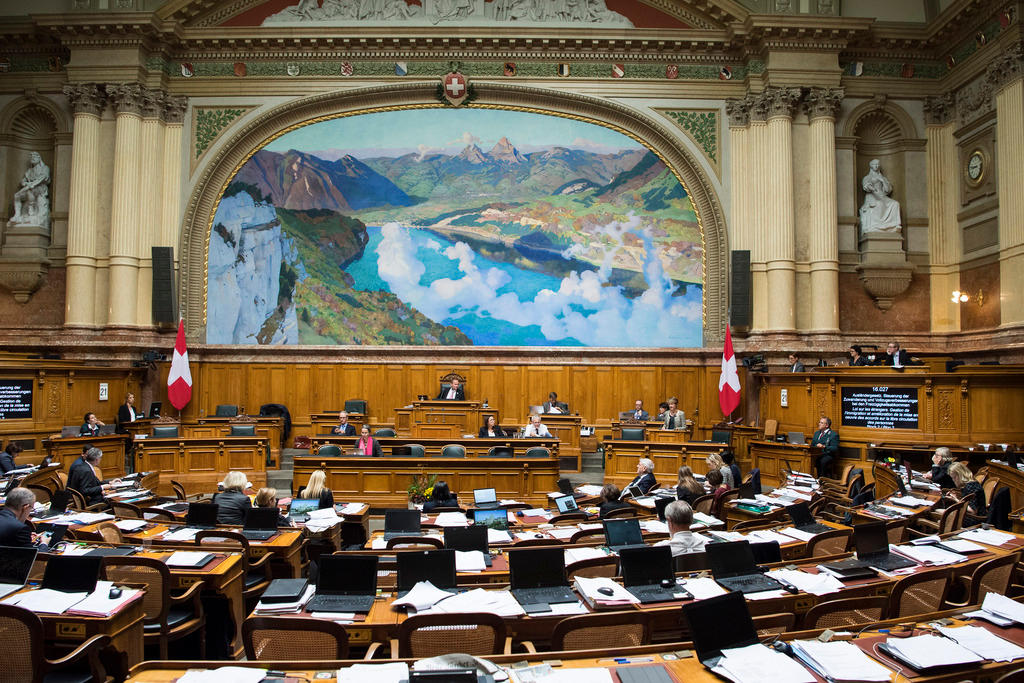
pixel 491 429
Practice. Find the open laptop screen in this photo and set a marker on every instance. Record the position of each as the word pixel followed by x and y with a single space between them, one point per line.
pixel 302 506
pixel 796 437
pixel 435 566
pixel 870 538
pixel 536 567
pixel 618 532
pixel 16 563
pixel 494 519
pixel 465 538
pixel 401 520
pixel 719 623
pixel 566 504
pixel 261 518
pixel 356 574
pixel 800 513
pixel 730 559
pixel 202 514
pixel 484 496
pixel 646 566
pixel 72 573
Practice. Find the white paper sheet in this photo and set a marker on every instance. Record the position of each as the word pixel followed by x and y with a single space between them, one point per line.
pixel 702 589
pixel 46 600
pixel 816 584
pixel 931 650
pixel 840 661
pixel 498 536
pixel 469 561
pixel 391 672
pixel 799 535
pixel 579 554
pixel 224 674
pixel 983 643
pixel 183 534
pixel 767 536
pixel 99 602
pixel 760 664
pixel 451 519
pixel 423 595
pixel 1003 607
pixel 987 536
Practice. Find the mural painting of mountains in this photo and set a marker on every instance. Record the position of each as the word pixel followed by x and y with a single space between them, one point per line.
pixel 459 227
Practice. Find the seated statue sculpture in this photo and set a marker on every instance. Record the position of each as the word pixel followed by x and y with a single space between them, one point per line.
pixel 880 212
pixel 32 200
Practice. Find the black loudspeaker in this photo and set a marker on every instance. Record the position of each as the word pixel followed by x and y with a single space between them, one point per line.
pixel 164 312
pixel 740 307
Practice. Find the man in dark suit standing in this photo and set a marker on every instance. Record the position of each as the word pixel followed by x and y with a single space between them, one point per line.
pixel 453 392
pixel 344 428
pixel 83 479
pixel 15 529
pixel 638 411
pixel 794 363
pixel 829 442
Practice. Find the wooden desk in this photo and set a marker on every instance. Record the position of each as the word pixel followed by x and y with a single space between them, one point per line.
pixel 269 428
pixel 440 419
pixel 653 431
pixel 773 457
pixel 65 450
pixel 475 447
pixel 324 423
pixel 565 428
pixel 1012 478
pixel 384 481
pixel 621 457
pixel 201 463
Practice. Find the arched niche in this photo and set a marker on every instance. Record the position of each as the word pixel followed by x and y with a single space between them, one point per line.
pixel 230 156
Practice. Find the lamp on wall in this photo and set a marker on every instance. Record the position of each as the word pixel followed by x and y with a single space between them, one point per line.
pixel 963 297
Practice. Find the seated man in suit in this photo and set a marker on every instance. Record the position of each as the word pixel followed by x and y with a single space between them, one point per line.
pixel 644 480
pixel 15 529
pixel 554 406
pixel 91 426
pixel 638 411
pixel 344 428
pixel 829 442
pixel 82 477
pixel 794 363
pixel 673 417
pixel 454 392
pixel 895 356
pixel 536 428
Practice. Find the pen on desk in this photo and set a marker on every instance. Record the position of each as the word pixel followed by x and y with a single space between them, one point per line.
pixel 628 660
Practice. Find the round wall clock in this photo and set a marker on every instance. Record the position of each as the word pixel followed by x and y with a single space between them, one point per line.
pixel 975 167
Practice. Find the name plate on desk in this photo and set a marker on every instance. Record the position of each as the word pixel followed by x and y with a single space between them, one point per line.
pixel 880 407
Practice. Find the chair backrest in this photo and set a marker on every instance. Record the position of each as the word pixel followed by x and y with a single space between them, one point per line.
pixel 77 500
pixel 999 509
pixel 855 482
pixel 293 638
pixel 536 452
pixel 569 518
pixel 846 612
pixel 596 631
pixel 844 477
pixel 704 504
pixel 952 518
pixel 42 493
pixel 417 450
pixel 415 541
pixel 165 432
pixel 989 488
pixel 453 450
pixel 429 635
pixel 126 510
pixel 226 411
pixel 773 624
pixel 829 543
pixel 157 513
pixel 886 481
pixel 919 593
pixel 223 536
pixel 243 430
pixel 329 450
pixel 622 512
pixel 771 429
pixel 384 431
pixel 732 494
pixel 145 570
pixel 179 490
pixel 632 433
pixel 721 435
pixel 593 567
pixel 895 531
pixel 992 576
pixel 23 633
pixel 355 405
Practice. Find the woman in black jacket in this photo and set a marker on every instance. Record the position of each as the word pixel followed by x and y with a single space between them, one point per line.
pixel 441 497
pixel 232 502
pixel 317 488
pixel 610 495
pixel 491 429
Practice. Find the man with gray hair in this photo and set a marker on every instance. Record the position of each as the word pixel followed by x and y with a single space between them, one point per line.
pixel 679 516
pixel 344 428
pixel 644 480
pixel 15 529
pixel 82 477
pixel 939 473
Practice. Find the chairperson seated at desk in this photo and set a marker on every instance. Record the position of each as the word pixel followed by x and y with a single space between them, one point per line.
pixel 644 480
pixel 344 428
pixel 491 429
pixel 232 501
pixel 367 445
pixel 453 392
pixel 91 426
pixel 673 417
pixel 316 489
pixel 536 428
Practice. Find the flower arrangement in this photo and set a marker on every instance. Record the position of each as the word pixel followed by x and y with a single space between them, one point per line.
pixel 887 461
pixel 421 487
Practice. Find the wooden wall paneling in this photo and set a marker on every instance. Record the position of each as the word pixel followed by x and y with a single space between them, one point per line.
pixel 510 403
pixel 636 382
pixel 587 395
pixel 395 384
pixel 491 381
pixel 340 383
pixel 991 409
pixel 220 384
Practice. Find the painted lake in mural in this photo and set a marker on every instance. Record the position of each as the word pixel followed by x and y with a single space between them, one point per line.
pixel 442 226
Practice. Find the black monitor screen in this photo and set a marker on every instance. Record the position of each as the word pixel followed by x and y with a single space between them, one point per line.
pixel 800 513
pixel 72 573
pixel 435 566
pixel 466 538
pixel 870 538
pixel 646 566
pixel 719 623
pixel 730 559
pixel 347 573
pixel 622 532
pixel 203 514
pixel 401 520
pixel 537 567
pixel 261 518
pixel 16 563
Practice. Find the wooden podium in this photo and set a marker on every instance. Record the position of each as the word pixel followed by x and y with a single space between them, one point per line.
pixel 440 419
pixel 65 450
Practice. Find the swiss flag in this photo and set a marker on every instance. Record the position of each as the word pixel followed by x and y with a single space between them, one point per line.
pixel 179 380
pixel 729 380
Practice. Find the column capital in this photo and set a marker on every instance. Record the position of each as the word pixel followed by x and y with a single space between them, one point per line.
pixel 760 106
pixel 1007 67
pixel 152 103
pixel 85 98
pixel 782 101
pixel 174 109
pixel 939 109
pixel 738 111
pixel 126 98
pixel 823 103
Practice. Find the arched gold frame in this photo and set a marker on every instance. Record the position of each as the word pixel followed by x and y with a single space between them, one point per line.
pixel 229 158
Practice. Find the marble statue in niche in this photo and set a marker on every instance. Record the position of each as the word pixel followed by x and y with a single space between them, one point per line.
pixel 879 212
pixel 32 200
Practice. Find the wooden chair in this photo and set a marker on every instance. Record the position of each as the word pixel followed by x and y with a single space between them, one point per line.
pixel 771 429
pixel 919 593
pixel 42 493
pixel 179 492
pixel 569 518
pixel 25 660
pixel 829 543
pixel 149 481
pixel 415 541
pixel 886 481
pixel 846 612
pixel 896 531
pixel 77 502
pixel 329 450
pixel 597 631
pixel 256 575
pixel 126 510
pixel 158 513
pixel 536 452
pixel 774 624
pixel 992 576
pixel 841 481
pixel 1016 676
pixel 293 638
pixel 754 524
pixel 950 519
pixel 622 512
pixel 430 635
pixel 531 542
pixel 719 507
pixel 607 566
pixel 109 532
pixel 587 535
pixel 704 504
pixel 168 617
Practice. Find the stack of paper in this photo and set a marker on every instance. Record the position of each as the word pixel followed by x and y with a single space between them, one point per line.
pixel 188 558
pixel 987 536
pixel 536 512
pixel 1004 607
pixel 930 555
pixel 839 661
pixel 498 536
pixel 392 672
pixel 423 596
pixel 702 519
pixel 589 589
pixel 645 502
pixel 469 561
pixel 479 600
pixel 909 501
pixel 323 519
pixel 760 664
pixel 351 509
pixel 927 651
pixel 702 589
pixel 727 535
pixel 186 534
pixel 589 489
pixel 100 604
pixel 767 536
pixel 654 526
pixel 563 533
pixel 815 584
pixel 46 600
pixel 799 535
pixel 983 643
pixel 579 554
pixel 286 607
pixel 130 525
pixel 451 519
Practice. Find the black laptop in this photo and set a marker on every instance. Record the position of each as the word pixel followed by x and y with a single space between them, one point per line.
pixel 401 523
pixel 58 505
pixel 15 566
pixel 50 534
pixel 485 498
pixel 800 514
pixel 647 573
pixel 260 524
pixel 201 515
pixel 467 538
pixel 719 623
pixel 871 543
pixel 537 578
pixel 733 566
pixel 154 409
pixel 622 533
pixel 346 583
pixel 660 503
pixel 566 504
pixel 492 519
pixel 435 566
pixel 72 573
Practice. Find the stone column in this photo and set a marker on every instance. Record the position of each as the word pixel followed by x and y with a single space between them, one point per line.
pixel 150 199
pixel 944 243
pixel 822 105
pixel 756 211
pixel 87 102
pixel 174 115
pixel 778 198
pixel 738 112
pixel 124 213
pixel 1005 76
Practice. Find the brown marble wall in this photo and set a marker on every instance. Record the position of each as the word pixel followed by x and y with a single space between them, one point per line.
pixel 910 311
pixel 44 309
pixel 983 279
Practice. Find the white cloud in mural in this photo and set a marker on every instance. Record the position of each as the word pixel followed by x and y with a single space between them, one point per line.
pixel 424 150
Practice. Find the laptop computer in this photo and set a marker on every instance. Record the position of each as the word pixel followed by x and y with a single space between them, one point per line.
pixel 106 430
pixel 50 534
pixel 565 486
pixel 485 498
pixel 660 503
pixel 154 409
pixel 300 508
pixel 800 514
pixel 15 566
pixel 260 524
pixel 622 533
pixel 796 437
pixel 566 504
pixel 58 505
pixel 347 583
pixel 717 624
pixel 201 515
pixel 492 519
pixel 733 566
pixel 871 543
pixel 435 566
pixel 72 573
pixel 466 538
pixel 537 578
pixel 401 523
pixel 647 573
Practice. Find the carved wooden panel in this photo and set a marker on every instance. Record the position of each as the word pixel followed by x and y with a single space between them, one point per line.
pixel 945 410
pixel 202 459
